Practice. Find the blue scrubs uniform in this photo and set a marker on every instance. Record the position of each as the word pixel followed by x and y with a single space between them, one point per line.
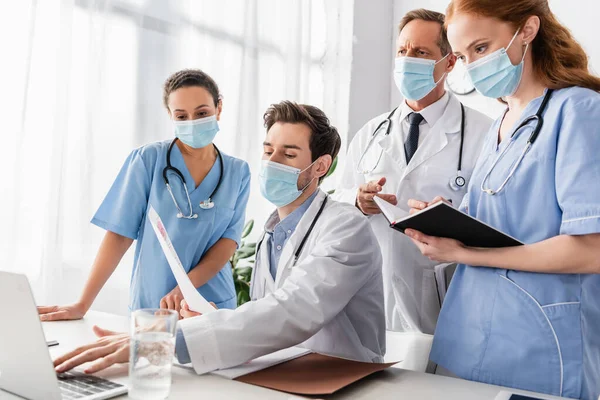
pixel 532 331
pixel 140 184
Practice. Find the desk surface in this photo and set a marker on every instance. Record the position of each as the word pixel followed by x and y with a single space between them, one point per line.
pixel 393 383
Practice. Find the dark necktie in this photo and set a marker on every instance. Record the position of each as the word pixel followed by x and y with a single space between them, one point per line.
pixel 411 144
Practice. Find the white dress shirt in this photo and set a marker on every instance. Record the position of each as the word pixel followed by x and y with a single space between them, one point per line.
pixel 431 115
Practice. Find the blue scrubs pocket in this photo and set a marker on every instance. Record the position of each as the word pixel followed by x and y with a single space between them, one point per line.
pixel 530 346
pixel 566 321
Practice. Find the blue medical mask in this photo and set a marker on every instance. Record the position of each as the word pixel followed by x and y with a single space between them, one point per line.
pixel 414 76
pixel 279 183
pixel 198 133
pixel 494 75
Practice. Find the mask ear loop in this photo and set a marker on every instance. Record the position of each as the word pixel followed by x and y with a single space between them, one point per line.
pixel 511 42
pixel 445 73
pixel 525 52
pixel 513 39
pixel 441 59
pixel 311 181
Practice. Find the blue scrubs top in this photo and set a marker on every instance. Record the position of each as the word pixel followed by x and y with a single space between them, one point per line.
pixel 532 331
pixel 140 184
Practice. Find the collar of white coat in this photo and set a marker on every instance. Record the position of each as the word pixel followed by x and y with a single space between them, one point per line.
pixel 287 253
pixel 438 113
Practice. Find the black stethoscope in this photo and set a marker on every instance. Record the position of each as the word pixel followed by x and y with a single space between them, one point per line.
pixel 539 119
pixel 206 204
pixel 456 183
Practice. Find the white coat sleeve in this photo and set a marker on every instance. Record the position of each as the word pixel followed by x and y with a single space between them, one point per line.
pixel 351 179
pixel 319 287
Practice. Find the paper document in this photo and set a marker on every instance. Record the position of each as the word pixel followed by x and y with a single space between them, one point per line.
pixel 194 299
pixel 258 364
pixel 261 363
pixel 391 212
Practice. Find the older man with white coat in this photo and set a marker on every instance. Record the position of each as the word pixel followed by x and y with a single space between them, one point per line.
pixel 426 147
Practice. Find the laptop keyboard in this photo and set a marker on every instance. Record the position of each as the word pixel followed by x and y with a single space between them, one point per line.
pixel 74 385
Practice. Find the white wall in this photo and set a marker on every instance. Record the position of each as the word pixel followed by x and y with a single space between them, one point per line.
pixel 581 17
pixel 370 88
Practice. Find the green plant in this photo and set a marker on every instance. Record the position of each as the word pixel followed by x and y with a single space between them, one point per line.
pixel 242 272
pixel 243 260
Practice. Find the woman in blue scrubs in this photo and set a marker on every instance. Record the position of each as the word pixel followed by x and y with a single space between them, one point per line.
pixel 526 317
pixel 199 193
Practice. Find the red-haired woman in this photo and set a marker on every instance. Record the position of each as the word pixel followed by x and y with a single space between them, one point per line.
pixel 527 317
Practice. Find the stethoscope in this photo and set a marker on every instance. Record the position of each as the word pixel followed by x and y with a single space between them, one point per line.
pixel 306 235
pixel 540 122
pixel 206 204
pixel 456 183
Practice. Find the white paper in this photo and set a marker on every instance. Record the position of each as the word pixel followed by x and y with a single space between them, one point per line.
pixel 261 363
pixel 392 213
pixel 194 299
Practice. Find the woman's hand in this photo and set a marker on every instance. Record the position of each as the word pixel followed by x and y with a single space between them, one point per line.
pixel 187 313
pixel 62 313
pixel 172 301
pixel 418 205
pixel 438 249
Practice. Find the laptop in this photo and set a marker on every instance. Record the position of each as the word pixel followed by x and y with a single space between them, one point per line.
pixel 26 368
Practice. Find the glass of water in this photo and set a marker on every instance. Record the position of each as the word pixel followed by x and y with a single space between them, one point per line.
pixel 151 354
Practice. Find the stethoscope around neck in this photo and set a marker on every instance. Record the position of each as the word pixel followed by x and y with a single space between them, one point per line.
pixel 539 119
pixel 205 204
pixel 306 235
pixel 456 182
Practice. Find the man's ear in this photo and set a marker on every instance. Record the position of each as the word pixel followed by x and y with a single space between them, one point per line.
pixel 451 63
pixel 322 165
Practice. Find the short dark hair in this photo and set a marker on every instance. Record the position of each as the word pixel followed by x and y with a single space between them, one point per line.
pixel 430 16
pixel 324 138
pixel 187 78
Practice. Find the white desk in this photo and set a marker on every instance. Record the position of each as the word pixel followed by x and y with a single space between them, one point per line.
pixel 393 383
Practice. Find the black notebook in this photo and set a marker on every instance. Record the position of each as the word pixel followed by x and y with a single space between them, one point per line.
pixel 443 220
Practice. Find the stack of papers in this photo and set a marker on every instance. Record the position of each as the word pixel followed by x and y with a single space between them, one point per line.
pixel 258 364
pixel 261 363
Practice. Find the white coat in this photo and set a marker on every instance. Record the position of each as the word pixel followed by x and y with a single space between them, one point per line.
pixel 331 301
pixel 412 302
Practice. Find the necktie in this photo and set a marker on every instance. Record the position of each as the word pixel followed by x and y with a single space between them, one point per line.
pixel 411 144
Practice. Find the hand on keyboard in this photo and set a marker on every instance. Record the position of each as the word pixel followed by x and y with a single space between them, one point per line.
pixel 111 348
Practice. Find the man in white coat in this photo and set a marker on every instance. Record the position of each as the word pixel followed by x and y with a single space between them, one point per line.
pixel 317 280
pixel 413 152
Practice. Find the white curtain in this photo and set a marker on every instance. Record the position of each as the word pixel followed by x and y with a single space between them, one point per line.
pixel 82 86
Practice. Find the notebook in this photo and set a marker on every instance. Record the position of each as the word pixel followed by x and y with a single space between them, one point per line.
pixel 443 220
